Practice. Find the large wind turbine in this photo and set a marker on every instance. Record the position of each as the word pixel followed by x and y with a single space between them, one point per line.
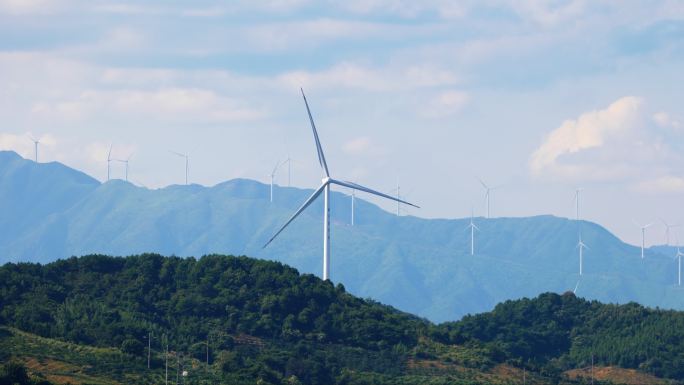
pixel 325 189
pixel 581 246
pixel 35 147
pixel 186 164
pixel 472 228
pixel 643 236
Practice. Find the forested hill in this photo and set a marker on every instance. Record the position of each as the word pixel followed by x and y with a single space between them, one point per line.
pixel 263 320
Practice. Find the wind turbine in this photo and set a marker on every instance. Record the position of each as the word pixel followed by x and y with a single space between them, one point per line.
pixel 109 161
pixel 667 231
pixel 643 236
pixel 35 146
pixel 186 164
pixel 679 268
pixel 125 161
pixel 472 228
pixel 488 191
pixel 272 175
pixel 353 199
pixel 576 286
pixel 577 203
pixel 325 189
pixel 289 169
pixel 581 246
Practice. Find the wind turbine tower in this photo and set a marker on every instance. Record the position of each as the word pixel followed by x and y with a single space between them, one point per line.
pixel 109 161
pixel 577 203
pixel 581 246
pixel 472 227
pixel 679 267
pixel 125 162
pixel 324 189
pixel 186 164
pixel 35 147
pixel 488 193
pixel 668 226
pixel 643 236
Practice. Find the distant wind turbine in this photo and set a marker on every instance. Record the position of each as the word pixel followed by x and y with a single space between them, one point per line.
pixel 643 236
pixel 186 164
pixel 581 246
pixel 576 286
pixel 325 189
pixel 35 147
pixel 577 203
pixel 488 193
pixel 679 267
pixel 353 199
pixel 289 169
pixel 273 174
pixel 668 226
pixel 125 161
pixel 109 161
pixel 472 228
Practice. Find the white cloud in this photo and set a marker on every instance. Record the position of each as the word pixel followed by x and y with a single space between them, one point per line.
pixel 445 104
pixel 357 145
pixel 618 143
pixel 23 7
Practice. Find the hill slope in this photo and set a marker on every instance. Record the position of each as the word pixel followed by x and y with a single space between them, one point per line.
pixel 418 265
pixel 262 320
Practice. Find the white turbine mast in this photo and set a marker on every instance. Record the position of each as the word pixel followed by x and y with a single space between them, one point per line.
pixel 325 189
pixel 109 161
pixel 668 226
pixel 679 267
pixel 36 142
pixel 186 164
pixel 581 246
pixel 577 203
pixel 488 193
pixel 472 228
pixel 353 202
pixel 125 162
pixel 272 176
pixel 643 236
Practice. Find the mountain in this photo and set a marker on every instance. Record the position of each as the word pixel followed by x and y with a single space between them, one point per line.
pixel 240 320
pixel 418 265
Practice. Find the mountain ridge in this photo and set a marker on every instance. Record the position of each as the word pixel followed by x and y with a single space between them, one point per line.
pixel 422 266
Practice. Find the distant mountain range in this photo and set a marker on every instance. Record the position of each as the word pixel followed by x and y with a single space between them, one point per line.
pixel 423 266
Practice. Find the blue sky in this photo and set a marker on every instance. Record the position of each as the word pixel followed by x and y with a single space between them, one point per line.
pixel 538 97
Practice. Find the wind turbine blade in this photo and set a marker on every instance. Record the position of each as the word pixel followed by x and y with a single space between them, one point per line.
pixel 321 157
pixel 648 225
pixel 177 153
pixel 370 191
pixel 483 184
pixel 476 228
pixel 299 211
pixel 275 168
pixel 109 154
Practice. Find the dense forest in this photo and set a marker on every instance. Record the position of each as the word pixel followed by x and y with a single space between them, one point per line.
pixel 249 319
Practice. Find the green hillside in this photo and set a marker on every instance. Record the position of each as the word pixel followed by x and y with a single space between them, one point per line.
pixel 85 320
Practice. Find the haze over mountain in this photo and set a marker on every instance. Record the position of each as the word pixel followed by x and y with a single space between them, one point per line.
pixel 423 266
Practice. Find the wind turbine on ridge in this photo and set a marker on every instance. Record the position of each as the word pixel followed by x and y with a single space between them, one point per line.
pixel 581 246
pixel 643 236
pixel 35 146
pixel 577 203
pixel 186 164
pixel 125 161
pixel 667 230
pixel 488 191
pixel 109 161
pixel 273 174
pixel 472 228
pixel 353 202
pixel 324 188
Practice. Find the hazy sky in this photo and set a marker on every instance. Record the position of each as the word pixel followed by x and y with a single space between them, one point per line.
pixel 539 97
